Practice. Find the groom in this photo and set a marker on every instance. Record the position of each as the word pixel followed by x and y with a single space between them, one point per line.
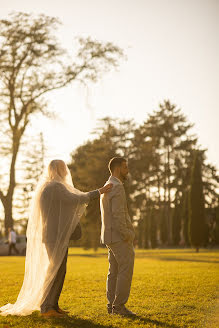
pixel 117 233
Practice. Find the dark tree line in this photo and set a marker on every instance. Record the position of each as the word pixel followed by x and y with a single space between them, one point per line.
pixel 167 168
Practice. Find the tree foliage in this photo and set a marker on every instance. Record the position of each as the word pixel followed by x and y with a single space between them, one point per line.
pixel 33 63
pixel 196 206
pixel 160 154
pixel 89 168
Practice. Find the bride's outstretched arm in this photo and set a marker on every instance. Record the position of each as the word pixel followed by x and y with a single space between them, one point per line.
pixel 70 197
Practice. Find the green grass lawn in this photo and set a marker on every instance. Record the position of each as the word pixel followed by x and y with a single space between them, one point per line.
pixel 171 288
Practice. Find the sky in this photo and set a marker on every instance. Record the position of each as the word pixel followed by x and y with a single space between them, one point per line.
pixel 172 49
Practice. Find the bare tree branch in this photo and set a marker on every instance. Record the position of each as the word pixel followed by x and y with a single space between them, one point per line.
pixel 32 63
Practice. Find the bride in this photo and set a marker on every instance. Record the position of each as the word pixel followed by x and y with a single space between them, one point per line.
pixel 56 210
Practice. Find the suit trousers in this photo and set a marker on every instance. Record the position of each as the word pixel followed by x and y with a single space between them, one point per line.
pixel 121 257
pixel 51 301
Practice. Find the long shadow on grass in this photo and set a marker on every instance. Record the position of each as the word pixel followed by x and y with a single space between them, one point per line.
pixel 141 320
pixel 67 322
pixel 71 321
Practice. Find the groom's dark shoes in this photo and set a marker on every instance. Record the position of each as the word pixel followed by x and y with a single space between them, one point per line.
pixel 62 311
pixel 109 308
pixel 122 310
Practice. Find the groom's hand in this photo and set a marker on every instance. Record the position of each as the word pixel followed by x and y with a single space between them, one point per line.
pixel 105 188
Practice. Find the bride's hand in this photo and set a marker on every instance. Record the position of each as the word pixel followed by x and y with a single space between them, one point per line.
pixel 105 188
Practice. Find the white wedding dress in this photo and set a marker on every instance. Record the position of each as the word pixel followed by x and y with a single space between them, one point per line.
pixel 41 269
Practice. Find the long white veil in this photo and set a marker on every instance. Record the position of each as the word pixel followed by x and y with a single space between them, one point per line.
pixel 40 266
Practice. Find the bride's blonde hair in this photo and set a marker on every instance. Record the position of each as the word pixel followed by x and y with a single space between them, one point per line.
pixel 57 169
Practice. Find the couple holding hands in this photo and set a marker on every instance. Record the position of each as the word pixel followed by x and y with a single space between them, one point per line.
pixel 56 211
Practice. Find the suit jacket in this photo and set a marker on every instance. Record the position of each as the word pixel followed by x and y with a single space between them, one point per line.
pixel 116 222
pixel 55 198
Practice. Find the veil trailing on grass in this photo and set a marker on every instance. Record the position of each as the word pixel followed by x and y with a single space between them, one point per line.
pixel 47 227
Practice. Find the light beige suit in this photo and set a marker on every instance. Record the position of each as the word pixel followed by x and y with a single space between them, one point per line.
pixel 117 233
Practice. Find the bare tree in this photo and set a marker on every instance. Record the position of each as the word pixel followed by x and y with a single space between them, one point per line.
pixel 32 63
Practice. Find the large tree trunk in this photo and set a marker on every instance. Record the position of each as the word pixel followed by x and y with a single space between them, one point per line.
pixel 145 231
pixel 158 190
pixel 168 197
pixel 8 214
pixel 8 199
pixel 168 175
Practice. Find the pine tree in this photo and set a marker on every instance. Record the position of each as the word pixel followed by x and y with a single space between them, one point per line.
pixel 163 227
pixel 196 206
pixel 185 218
pixel 161 150
pixel 146 230
pixel 176 225
pixel 216 228
pixel 153 229
pixel 140 233
pixel 89 168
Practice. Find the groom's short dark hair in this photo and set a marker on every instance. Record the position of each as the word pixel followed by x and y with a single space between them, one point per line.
pixel 115 162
